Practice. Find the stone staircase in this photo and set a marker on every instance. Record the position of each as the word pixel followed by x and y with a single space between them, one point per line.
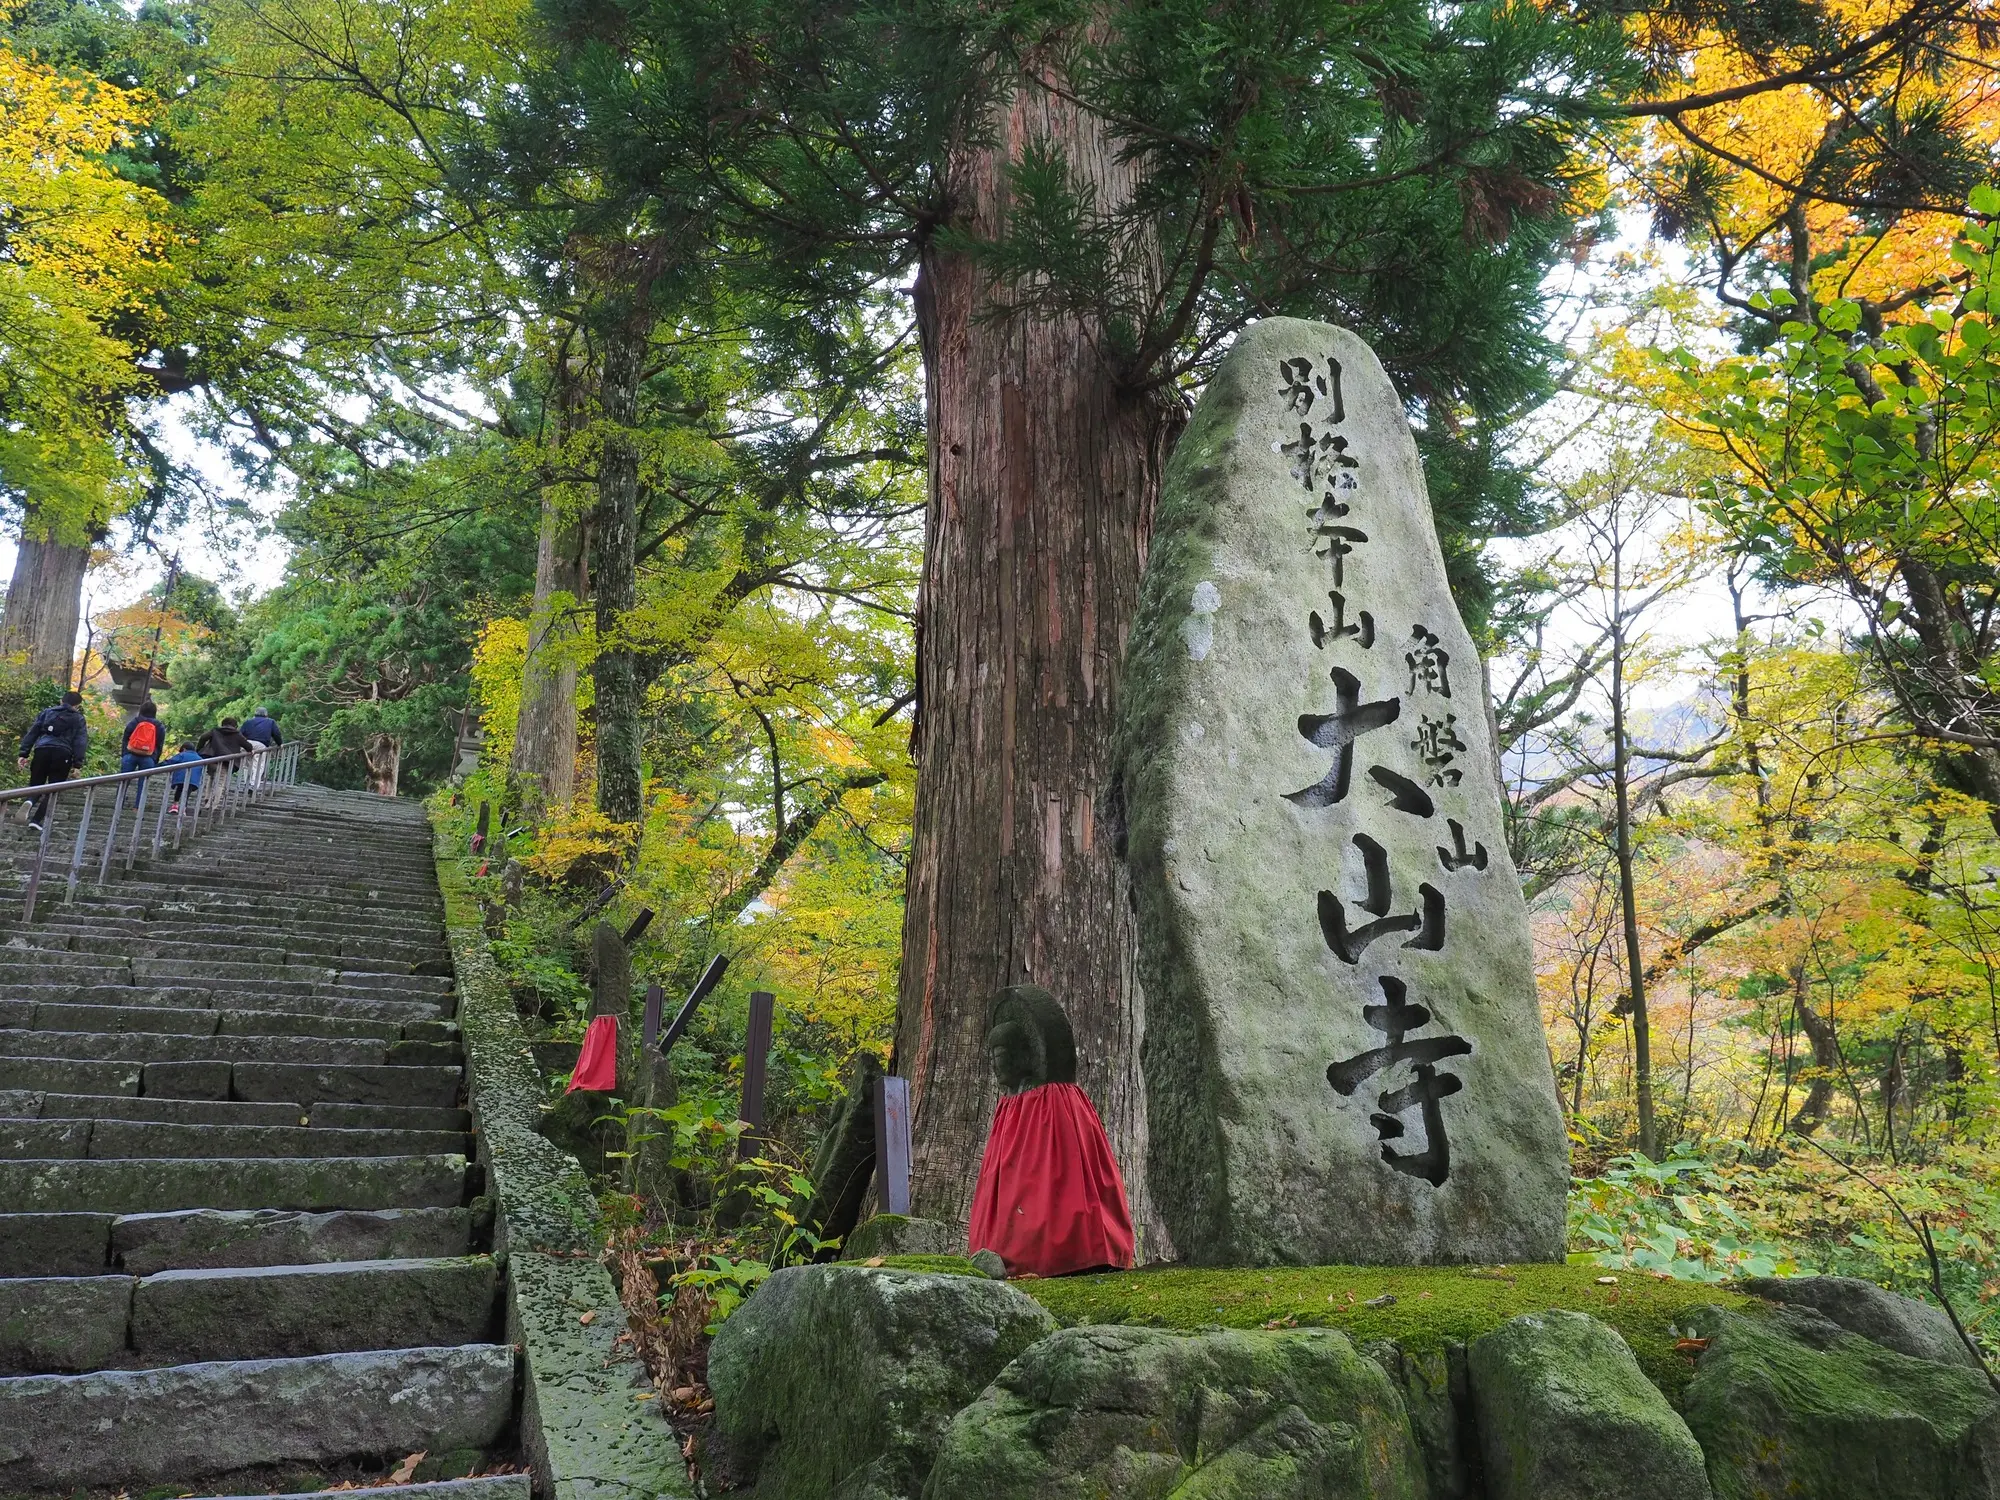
pixel 241 1245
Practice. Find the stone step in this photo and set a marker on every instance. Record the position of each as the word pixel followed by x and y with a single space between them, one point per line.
pixel 159 1046
pixel 368 1008
pixel 129 1140
pixel 187 1021
pixel 153 1185
pixel 283 1312
pixel 261 927
pixel 28 1105
pixel 64 1325
pixel 55 1244
pixel 319 1410
pixel 435 1087
pixel 69 1076
pixel 185 971
pixel 94 1244
pixel 198 1239
pixel 251 943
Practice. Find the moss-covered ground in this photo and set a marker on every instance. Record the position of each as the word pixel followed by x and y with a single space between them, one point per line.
pixel 1419 1307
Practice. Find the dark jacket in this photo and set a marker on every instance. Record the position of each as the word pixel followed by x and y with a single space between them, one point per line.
pixel 159 735
pixel 62 727
pixel 263 729
pixel 223 742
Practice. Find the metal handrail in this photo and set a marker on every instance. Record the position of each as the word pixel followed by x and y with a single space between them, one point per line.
pixel 229 784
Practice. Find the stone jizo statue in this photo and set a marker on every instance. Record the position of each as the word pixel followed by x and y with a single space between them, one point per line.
pixel 1050 1200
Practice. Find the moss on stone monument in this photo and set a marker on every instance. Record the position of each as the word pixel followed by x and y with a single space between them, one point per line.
pixel 1433 1306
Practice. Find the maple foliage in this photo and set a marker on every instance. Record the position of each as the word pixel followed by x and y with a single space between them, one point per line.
pixel 82 250
pixel 1835 139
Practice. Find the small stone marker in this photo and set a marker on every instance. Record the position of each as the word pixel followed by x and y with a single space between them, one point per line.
pixel 892 1143
pixel 1344 1056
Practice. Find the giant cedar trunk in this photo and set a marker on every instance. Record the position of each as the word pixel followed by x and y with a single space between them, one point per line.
pixel 542 769
pixel 613 544
pixel 45 605
pixel 383 755
pixel 1043 477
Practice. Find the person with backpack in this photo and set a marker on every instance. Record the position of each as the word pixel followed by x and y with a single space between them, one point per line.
pixel 140 749
pixel 190 779
pixel 53 747
pixel 224 739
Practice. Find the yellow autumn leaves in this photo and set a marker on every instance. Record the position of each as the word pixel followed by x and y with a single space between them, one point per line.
pixel 82 251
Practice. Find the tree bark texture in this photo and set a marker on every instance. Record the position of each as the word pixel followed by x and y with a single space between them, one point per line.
pixel 1043 475
pixel 614 565
pixel 383 754
pixel 45 604
pixel 542 769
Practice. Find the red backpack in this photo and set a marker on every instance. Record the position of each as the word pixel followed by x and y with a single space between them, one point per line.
pixel 145 737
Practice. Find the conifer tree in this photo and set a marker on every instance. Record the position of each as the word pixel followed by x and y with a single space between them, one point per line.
pixel 1086 202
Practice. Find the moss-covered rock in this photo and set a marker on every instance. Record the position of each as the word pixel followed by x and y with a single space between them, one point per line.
pixel 1424 1309
pixel 836 1382
pixel 1565 1414
pixel 1913 1328
pixel 1143 1415
pixel 1436 1391
pixel 899 1234
pixel 1793 1405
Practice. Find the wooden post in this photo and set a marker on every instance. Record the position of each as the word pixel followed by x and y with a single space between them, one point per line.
pixel 756 1058
pixel 649 1034
pixel 892 1143
pixel 710 977
pixel 485 822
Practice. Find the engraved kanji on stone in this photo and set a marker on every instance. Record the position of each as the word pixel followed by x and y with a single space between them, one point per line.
pixel 1299 383
pixel 1363 630
pixel 1457 857
pixel 1337 731
pixel 1404 794
pixel 1427 1087
pixel 1312 456
pixel 1429 663
pixel 1336 543
pixel 1348 944
pixel 1437 745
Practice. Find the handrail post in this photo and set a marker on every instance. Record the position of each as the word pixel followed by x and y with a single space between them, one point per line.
pixel 145 786
pixel 35 875
pixel 111 833
pixel 167 800
pixel 82 833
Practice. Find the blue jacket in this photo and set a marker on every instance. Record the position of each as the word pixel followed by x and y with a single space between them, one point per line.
pixel 264 730
pixel 193 778
pixel 60 727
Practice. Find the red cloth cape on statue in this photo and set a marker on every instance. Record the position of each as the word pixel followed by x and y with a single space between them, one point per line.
pixel 1050 1200
pixel 597 1064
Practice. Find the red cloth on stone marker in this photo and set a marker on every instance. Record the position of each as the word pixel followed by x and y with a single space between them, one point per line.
pixel 1050 1200
pixel 597 1064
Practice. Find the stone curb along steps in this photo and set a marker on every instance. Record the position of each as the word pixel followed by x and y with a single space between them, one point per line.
pixel 244 1243
pixel 583 1432
pixel 886 1384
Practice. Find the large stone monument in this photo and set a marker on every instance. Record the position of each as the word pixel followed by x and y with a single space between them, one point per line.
pixel 1343 1054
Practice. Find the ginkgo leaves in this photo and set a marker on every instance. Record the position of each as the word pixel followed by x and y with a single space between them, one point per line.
pixel 81 251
